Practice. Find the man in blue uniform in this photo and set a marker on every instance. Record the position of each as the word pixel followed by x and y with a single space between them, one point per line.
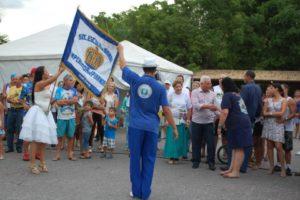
pixel 146 97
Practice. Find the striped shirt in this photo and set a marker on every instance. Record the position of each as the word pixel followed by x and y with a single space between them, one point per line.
pixel 200 98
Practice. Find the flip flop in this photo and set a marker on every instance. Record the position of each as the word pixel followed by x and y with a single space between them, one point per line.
pixel 72 159
pixel 55 159
pixel 226 176
pixel 85 157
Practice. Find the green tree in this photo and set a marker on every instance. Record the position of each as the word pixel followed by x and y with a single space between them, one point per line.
pixel 230 34
pixel 3 39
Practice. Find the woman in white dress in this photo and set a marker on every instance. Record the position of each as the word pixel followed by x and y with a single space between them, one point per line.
pixel 38 125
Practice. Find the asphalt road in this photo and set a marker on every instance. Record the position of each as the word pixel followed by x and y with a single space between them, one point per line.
pixel 98 179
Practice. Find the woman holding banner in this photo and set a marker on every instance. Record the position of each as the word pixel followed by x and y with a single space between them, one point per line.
pixel 38 125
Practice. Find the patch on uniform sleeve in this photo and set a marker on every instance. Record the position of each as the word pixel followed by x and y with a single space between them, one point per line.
pixel 144 91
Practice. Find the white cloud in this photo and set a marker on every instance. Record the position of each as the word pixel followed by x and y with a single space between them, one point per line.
pixel 12 3
pixel 37 15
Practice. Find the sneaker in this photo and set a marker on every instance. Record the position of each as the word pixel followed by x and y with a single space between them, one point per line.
pixel 103 155
pixel 195 165
pixel 109 156
pixel 288 172
pixel 211 166
pixel 131 195
pixel 277 168
pixel 26 157
pixel 19 150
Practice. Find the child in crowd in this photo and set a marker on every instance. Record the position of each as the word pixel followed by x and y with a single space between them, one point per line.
pixel 111 125
pixel 1 129
pixel 87 124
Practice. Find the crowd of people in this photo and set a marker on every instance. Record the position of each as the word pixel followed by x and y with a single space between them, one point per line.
pixel 35 112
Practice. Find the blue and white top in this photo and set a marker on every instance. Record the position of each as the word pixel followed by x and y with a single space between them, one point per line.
pixel 146 96
pixel 65 112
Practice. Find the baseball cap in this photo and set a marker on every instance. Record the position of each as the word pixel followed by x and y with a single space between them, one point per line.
pixel 167 82
pixel 13 75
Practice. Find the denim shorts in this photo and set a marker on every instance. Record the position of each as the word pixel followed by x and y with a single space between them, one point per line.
pixel 2 132
pixel 66 127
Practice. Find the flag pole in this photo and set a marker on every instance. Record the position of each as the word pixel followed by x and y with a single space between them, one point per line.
pixel 60 65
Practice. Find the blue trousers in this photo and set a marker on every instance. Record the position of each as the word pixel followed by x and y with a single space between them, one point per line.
pixel 247 152
pixel 14 125
pixel 142 146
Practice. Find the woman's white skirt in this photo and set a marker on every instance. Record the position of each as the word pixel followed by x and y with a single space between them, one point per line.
pixel 38 127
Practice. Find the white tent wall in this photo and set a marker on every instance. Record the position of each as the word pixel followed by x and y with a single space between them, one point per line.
pixel 117 75
pixel 46 48
pixel 23 67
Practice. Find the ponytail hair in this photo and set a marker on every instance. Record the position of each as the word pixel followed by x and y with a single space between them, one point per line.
pixel 38 76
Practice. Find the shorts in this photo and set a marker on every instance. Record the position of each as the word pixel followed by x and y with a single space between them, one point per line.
pixel 257 130
pixel 288 145
pixel 66 127
pixel 2 132
pixel 109 143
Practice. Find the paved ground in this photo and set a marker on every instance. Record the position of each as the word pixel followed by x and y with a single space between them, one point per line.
pixel 98 179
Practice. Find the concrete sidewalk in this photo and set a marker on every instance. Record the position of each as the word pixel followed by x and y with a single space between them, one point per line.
pixel 97 179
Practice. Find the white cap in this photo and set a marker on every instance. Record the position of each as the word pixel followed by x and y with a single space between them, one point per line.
pixel 167 82
pixel 149 63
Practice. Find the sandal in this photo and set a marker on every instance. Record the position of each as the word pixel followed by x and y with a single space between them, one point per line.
pixel 72 158
pixel 56 159
pixel 297 174
pixel 35 170
pixel 85 157
pixel 171 162
pixel 43 168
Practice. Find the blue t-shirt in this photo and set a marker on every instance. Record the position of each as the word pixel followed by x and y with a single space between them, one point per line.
pixel 146 97
pixel 238 117
pixel 252 96
pixel 26 93
pixel 109 131
pixel 65 112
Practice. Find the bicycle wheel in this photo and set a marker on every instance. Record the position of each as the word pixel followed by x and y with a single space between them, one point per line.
pixel 222 154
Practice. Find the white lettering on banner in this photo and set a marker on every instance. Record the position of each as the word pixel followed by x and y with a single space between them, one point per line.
pixel 87 69
pixel 97 43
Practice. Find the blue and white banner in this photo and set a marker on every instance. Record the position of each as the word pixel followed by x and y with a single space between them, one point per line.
pixel 90 54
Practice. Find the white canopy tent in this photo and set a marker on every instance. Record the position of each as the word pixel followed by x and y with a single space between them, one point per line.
pixel 46 48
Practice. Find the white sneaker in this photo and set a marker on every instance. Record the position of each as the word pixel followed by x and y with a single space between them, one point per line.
pixel 131 195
